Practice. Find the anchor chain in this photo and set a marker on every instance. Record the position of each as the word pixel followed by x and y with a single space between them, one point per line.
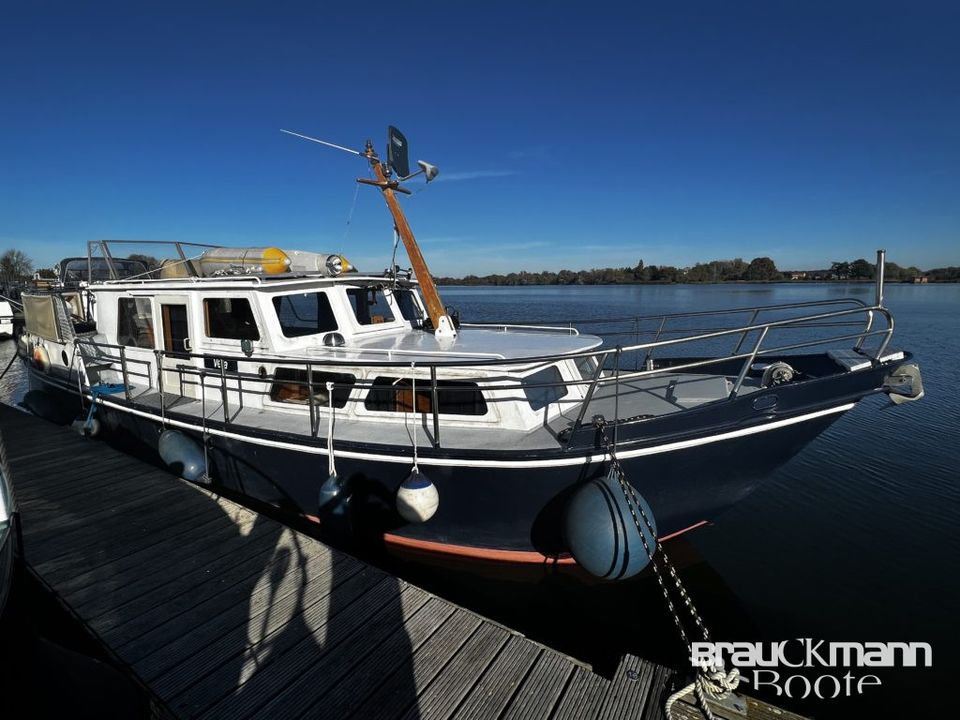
pixel 712 681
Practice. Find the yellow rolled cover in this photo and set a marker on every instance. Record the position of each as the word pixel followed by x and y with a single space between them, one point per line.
pixel 267 260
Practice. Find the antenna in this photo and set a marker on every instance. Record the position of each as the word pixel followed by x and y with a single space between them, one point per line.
pixel 322 142
pixel 444 327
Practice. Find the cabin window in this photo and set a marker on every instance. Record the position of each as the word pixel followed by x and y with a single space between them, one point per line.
pixel 230 319
pixel 543 387
pixel 454 397
pixel 304 314
pixel 134 322
pixel 370 305
pixel 407 303
pixel 290 386
pixel 587 366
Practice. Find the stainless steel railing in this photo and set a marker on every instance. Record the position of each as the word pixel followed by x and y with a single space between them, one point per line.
pixel 608 362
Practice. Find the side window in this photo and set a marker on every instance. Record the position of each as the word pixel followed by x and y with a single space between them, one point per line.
pixel 290 386
pixel 304 314
pixel 230 318
pixel 587 366
pixel 134 322
pixel 543 387
pixel 454 397
pixel 370 305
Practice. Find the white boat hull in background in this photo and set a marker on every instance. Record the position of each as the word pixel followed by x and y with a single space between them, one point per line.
pixel 6 319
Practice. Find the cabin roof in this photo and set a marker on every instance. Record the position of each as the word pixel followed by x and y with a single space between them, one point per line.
pixel 472 343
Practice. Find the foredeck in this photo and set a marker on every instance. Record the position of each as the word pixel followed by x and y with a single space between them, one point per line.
pixel 221 612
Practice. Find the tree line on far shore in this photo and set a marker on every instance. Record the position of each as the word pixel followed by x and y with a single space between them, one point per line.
pixel 15 265
pixel 760 269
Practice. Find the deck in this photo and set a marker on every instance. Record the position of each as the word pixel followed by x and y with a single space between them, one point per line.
pixel 220 612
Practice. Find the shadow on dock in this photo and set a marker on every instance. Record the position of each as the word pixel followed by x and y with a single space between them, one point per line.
pixel 311 617
pixel 219 611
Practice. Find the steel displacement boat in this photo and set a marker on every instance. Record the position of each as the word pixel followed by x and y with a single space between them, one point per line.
pixel 292 378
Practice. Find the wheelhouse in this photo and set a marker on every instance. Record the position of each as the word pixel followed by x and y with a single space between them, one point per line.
pixel 302 344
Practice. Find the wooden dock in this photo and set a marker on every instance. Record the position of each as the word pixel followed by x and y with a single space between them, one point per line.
pixel 220 612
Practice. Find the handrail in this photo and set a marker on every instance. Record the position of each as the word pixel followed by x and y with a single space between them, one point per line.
pixel 592 384
pixel 524 326
pixel 533 359
pixel 360 383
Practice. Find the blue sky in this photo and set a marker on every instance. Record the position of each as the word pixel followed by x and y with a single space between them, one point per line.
pixel 568 134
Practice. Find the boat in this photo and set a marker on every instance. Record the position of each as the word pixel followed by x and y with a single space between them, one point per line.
pixel 294 379
pixel 6 319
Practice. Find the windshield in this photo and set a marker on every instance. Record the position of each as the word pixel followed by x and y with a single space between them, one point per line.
pixel 77 269
pixel 304 314
pixel 370 305
pixel 407 303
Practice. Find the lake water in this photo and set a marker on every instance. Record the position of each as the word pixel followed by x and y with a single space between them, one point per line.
pixel 855 539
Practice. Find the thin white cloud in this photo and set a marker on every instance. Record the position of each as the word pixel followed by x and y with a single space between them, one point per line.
pixel 474 175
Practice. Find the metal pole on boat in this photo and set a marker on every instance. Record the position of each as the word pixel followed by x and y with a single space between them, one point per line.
pixel 881 258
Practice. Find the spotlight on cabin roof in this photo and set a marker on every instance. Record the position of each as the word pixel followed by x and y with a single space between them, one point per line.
pixel 311 262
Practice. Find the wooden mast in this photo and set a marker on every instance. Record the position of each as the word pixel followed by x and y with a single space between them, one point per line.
pixel 442 324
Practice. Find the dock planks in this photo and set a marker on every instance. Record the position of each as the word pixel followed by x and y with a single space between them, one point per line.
pixel 220 612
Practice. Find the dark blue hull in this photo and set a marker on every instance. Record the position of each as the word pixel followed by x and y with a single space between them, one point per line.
pixel 504 505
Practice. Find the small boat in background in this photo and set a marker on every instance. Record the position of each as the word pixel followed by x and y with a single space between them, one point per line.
pixel 6 319
pixel 292 378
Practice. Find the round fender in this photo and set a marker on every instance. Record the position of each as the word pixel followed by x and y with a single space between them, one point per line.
pixel 182 455
pixel 334 495
pixel 41 358
pixel 601 533
pixel 417 498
